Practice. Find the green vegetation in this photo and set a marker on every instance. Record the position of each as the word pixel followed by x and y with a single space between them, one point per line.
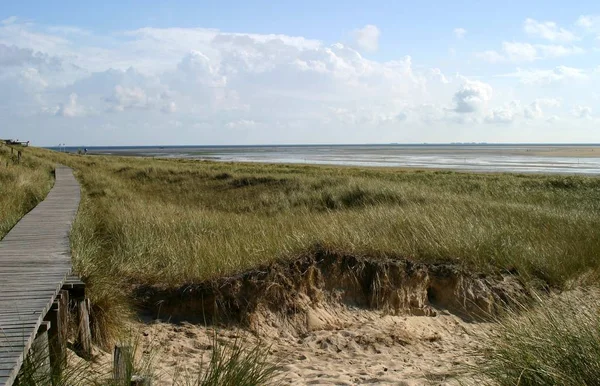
pixel 233 365
pixel 555 343
pixel 173 222
pixel 23 184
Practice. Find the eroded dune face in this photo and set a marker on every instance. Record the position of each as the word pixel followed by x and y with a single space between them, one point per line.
pixel 330 319
pixel 310 293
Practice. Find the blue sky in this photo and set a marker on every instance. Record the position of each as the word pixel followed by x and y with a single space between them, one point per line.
pixel 238 72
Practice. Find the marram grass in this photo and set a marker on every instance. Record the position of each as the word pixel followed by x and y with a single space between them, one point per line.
pixel 22 185
pixel 172 222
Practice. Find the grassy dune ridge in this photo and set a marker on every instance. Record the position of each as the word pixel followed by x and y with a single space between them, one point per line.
pixel 22 185
pixel 172 222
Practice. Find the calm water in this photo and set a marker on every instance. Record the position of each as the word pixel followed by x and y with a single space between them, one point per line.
pixel 564 159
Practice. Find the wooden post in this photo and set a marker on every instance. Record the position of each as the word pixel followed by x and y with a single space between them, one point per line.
pixel 122 365
pixel 64 313
pixel 123 358
pixel 57 346
pixel 84 333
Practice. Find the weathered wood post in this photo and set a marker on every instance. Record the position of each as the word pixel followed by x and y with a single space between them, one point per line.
pixel 64 316
pixel 76 292
pixel 57 334
pixel 83 326
pixel 122 364
pixel 123 368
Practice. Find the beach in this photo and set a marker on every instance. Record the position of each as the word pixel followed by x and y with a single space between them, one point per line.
pixel 519 158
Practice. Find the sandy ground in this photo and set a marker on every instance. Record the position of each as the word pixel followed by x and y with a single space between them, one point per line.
pixel 369 348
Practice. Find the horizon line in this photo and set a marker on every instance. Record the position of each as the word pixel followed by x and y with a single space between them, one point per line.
pixel 335 144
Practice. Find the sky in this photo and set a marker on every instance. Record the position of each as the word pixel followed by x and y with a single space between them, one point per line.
pixel 261 72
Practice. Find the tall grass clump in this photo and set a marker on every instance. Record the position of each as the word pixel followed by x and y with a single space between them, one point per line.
pixel 233 365
pixel 35 372
pixel 557 342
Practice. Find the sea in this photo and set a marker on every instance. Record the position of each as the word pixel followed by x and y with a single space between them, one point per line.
pixel 517 158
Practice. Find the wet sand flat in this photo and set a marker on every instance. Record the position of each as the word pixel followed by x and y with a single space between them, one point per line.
pixel 545 159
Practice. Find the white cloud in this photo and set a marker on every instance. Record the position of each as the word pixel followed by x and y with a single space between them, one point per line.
pixel 241 124
pixel 556 51
pixel 459 33
pixel 583 112
pixel 125 98
pixel 548 30
pixel 367 38
pixel 70 109
pixel 559 74
pixel 589 22
pixel 535 109
pixel 501 115
pixel 436 73
pixel 191 85
pixel 472 97
pixel 9 20
pixel 518 52
pixel 169 108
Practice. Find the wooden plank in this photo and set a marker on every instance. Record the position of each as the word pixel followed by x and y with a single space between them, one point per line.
pixel 35 261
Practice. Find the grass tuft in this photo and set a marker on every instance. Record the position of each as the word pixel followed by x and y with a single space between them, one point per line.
pixel 555 343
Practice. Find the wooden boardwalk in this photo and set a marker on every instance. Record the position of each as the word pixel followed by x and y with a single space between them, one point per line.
pixel 35 259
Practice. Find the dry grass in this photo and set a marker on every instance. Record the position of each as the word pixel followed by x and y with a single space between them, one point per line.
pixel 173 222
pixel 557 342
pixel 22 185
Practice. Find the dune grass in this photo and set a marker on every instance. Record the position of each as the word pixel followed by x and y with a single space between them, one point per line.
pixel 175 222
pixel 172 222
pixel 555 343
pixel 22 185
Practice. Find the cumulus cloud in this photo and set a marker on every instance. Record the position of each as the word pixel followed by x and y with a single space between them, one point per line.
pixel 535 109
pixel 201 83
pixel 459 33
pixel 125 98
pixel 367 38
pixel 70 109
pixel 548 30
pixel 500 116
pixel 582 112
pixel 514 110
pixel 11 56
pixel 519 52
pixel 473 96
pixel 590 23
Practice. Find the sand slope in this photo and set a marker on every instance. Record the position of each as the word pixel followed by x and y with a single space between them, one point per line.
pixel 369 349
